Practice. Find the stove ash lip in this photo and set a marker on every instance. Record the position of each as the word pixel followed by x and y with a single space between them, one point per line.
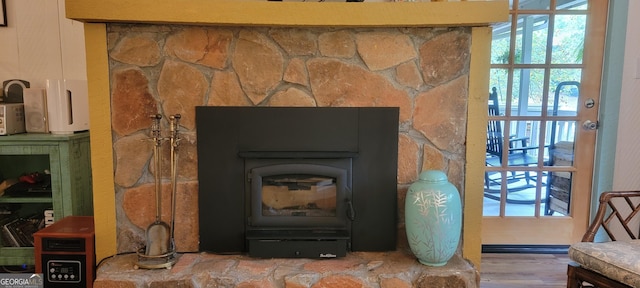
pixel 301 154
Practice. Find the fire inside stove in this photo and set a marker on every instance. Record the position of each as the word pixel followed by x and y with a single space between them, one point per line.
pixel 299 195
pixel 297 201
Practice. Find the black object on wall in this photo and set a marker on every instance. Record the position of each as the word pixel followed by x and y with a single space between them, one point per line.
pixel 224 133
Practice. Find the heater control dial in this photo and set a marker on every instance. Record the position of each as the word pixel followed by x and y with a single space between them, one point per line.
pixel 64 271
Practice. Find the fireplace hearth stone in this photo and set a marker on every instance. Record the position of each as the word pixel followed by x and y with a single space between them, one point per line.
pixel 394 269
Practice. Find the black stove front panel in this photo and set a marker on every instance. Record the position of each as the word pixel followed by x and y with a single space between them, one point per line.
pixel 226 135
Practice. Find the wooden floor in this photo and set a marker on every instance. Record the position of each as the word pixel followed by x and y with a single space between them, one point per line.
pixel 515 270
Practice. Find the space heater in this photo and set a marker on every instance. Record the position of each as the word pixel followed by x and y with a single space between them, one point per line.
pixel 65 253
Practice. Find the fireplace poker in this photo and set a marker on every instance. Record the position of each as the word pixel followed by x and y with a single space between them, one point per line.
pixel 158 232
pixel 175 141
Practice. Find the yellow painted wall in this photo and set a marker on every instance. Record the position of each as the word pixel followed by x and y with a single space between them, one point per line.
pixel 204 12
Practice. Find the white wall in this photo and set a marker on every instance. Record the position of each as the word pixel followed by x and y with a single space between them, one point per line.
pixel 626 174
pixel 30 46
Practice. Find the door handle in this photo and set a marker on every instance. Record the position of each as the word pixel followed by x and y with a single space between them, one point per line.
pixel 590 125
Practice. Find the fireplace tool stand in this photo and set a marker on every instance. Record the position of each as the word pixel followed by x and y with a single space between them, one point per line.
pixel 160 249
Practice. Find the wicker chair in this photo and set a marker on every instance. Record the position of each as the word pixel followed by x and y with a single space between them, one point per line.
pixel 614 263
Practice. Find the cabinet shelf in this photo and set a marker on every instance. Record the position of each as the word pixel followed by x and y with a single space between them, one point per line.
pixel 25 200
pixel 67 158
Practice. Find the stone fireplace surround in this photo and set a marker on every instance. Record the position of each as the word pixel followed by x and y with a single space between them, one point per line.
pixel 144 64
pixel 245 66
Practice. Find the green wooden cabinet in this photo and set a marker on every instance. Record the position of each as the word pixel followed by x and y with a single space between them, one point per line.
pixel 67 157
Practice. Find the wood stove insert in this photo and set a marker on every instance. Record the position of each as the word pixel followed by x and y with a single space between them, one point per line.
pixel 297 182
pixel 298 207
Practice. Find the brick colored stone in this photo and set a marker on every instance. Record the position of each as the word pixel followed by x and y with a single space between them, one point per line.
pixel 187 158
pixel 184 263
pixel 433 159
pixel 394 283
pixel 292 97
pixel 258 63
pixel 332 265
pixel 139 205
pixel 296 72
pixel 382 50
pixel 445 57
pixel 408 159
pixel 441 114
pixel 294 285
pixel 186 230
pixel 171 284
pixel 262 283
pixel 129 237
pixel 300 280
pixel 340 84
pixel 456 174
pixel 258 267
pixel 408 75
pixel 132 103
pixel 342 281
pixel 338 44
pixel 140 50
pixel 204 46
pixel 440 282
pixel 106 283
pixel 226 91
pixel 374 264
pixel 296 42
pixel 210 263
pixel 208 281
pixel 181 87
pixel 402 195
pixel 131 155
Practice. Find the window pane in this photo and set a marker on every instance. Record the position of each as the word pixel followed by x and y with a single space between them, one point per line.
pixel 559 143
pixel 500 42
pixel 492 187
pixel 534 4
pixel 564 92
pixel 527 92
pixel 568 39
pixel 520 193
pixel 566 132
pixel 558 203
pixel 525 136
pixel 531 39
pixel 498 79
pixel 522 143
pixel 571 5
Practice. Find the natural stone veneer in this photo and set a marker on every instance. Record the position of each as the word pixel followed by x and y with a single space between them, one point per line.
pixel 397 269
pixel 172 69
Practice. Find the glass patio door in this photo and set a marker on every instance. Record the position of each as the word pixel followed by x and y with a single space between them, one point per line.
pixel 543 104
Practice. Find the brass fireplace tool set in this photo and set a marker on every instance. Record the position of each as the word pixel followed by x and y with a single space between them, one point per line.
pixel 160 250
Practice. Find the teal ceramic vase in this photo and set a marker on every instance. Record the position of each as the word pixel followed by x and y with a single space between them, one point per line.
pixel 433 218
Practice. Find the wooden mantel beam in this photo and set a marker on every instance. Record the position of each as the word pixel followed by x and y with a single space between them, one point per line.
pixel 271 13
